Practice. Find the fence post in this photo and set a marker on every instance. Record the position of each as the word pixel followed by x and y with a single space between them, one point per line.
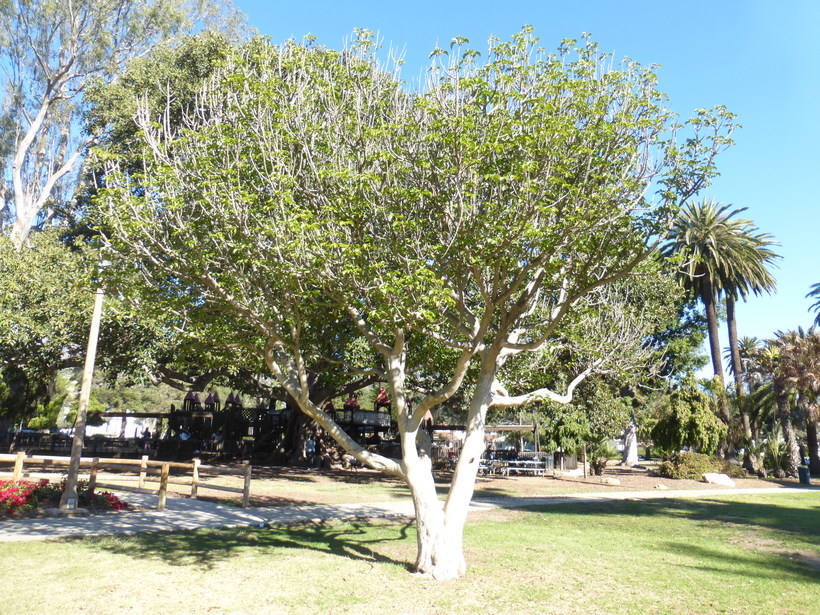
pixel 92 475
pixel 163 486
pixel 246 490
pixel 143 468
pixel 195 478
pixel 18 466
pixel 584 452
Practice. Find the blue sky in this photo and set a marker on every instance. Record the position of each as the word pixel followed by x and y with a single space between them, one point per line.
pixel 760 59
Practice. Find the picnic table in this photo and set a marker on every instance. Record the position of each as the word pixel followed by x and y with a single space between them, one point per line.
pixel 519 466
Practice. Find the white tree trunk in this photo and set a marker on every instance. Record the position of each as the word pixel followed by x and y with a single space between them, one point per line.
pixel 630 452
pixel 439 553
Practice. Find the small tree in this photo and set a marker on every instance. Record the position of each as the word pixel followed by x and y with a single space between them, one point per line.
pixel 310 187
pixel 688 420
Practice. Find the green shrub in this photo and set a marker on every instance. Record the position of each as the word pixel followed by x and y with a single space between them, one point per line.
pixel 598 453
pixel 775 452
pixel 687 419
pixel 695 465
pixel 731 470
pixel 686 465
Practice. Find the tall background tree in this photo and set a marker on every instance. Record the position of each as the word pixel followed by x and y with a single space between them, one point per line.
pixel 67 67
pixel 777 361
pixel 51 52
pixel 814 293
pixel 722 256
pixel 800 365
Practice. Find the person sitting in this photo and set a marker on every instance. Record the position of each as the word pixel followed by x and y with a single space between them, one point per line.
pixel 352 403
pixel 382 400
pixel 328 407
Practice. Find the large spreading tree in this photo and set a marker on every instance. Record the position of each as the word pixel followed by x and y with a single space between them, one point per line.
pixel 476 216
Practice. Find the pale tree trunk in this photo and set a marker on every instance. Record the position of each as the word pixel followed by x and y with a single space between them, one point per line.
pixel 630 453
pixel 463 485
pixel 441 532
pixel 69 498
pixel 439 553
pixel 440 528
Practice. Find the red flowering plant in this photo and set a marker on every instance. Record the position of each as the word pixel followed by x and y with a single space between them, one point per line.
pixel 27 496
pixel 20 496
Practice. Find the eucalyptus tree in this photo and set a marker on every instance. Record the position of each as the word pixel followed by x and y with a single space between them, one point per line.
pixel 51 52
pixel 477 214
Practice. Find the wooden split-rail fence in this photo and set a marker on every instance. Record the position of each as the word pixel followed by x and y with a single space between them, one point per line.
pixel 144 471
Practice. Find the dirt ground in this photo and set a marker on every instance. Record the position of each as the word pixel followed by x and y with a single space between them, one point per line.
pixel 276 486
pixel 282 486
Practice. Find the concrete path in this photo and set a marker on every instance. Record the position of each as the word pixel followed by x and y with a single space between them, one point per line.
pixel 185 514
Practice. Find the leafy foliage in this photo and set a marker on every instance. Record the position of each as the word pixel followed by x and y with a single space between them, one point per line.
pixel 694 465
pixel 688 421
pixel 26 496
pixel 814 293
pixel 310 194
pixel 50 53
pixel 775 450
pixel 599 452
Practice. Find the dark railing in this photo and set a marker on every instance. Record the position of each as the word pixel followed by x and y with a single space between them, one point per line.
pixel 60 443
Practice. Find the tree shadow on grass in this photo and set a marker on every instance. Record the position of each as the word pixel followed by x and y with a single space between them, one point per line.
pixel 798 521
pixel 303 475
pixel 772 541
pixel 492 492
pixel 203 549
pixel 778 565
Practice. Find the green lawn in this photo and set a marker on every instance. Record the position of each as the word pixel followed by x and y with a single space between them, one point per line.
pixel 744 554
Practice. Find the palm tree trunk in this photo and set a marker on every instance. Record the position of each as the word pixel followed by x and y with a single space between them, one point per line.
pixel 750 461
pixel 734 350
pixel 707 295
pixel 785 415
pixel 811 441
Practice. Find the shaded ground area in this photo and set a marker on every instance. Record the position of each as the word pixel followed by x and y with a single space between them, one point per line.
pixel 275 486
pixel 283 486
pixel 729 553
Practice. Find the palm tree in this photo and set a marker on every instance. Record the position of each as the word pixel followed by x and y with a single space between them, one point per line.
pixel 802 366
pixel 721 255
pixel 754 277
pixel 814 293
pixel 747 380
pixel 779 359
